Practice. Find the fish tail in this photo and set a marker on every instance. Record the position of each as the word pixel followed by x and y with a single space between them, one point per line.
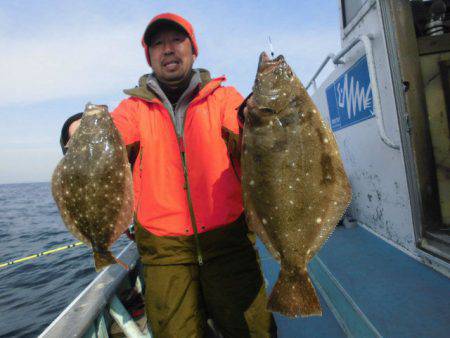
pixel 294 295
pixel 103 259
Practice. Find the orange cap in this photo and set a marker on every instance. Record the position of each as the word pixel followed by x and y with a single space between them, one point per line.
pixel 171 19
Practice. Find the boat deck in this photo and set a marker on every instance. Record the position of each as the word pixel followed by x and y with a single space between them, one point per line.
pixel 325 326
pixel 369 289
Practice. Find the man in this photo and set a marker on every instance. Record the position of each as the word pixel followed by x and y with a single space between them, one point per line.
pixel 198 256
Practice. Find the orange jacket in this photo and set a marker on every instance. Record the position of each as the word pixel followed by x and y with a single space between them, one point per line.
pixel 163 197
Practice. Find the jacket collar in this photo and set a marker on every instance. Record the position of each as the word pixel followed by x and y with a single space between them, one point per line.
pixel 145 92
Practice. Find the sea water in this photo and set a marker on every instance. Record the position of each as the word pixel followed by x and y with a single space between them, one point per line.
pixel 33 293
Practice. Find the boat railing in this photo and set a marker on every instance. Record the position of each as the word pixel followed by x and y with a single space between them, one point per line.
pixel 366 40
pixel 86 317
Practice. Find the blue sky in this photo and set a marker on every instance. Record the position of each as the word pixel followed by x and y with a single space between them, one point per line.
pixel 57 55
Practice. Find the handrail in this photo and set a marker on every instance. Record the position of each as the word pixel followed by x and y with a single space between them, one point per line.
pixel 124 320
pixel 366 40
pixel 76 319
pixel 329 57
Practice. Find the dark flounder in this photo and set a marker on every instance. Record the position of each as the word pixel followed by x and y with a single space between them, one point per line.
pixel 92 185
pixel 295 187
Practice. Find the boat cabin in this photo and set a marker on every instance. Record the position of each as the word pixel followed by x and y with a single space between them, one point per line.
pixel 385 272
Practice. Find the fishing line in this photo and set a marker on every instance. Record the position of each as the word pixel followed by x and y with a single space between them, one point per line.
pixel 272 52
pixel 43 253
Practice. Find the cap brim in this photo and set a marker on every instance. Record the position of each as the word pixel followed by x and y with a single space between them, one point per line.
pixel 156 25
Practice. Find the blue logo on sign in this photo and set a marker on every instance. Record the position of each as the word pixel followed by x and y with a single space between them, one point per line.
pixel 350 97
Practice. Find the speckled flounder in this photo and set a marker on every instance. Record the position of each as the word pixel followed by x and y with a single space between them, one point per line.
pixel 92 185
pixel 294 184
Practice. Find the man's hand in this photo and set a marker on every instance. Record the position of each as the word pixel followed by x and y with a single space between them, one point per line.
pixel 130 235
pixel 243 109
pixel 250 104
pixel 70 131
pixel 73 127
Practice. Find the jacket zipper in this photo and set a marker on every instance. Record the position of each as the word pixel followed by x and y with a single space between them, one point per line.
pixel 180 141
pixel 182 148
pixel 189 198
pixel 138 207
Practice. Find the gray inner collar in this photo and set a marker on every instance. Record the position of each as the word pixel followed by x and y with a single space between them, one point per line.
pixel 176 113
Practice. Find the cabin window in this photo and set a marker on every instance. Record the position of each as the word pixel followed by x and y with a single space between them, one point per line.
pixel 350 9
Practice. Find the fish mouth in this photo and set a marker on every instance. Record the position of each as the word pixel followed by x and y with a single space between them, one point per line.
pixel 94 109
pixel 272 86
pixel 266 64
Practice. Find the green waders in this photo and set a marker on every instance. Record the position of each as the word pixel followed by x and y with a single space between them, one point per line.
pixel 180 294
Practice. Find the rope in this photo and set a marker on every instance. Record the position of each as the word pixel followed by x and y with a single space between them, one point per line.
pixel 15 261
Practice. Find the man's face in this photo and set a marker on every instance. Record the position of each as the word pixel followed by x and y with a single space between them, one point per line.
pixel 171 55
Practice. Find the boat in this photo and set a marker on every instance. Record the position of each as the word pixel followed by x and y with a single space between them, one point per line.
pixel 385 272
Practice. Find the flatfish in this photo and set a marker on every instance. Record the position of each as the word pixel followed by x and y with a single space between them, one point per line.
pixel 295 188
pixel 92 185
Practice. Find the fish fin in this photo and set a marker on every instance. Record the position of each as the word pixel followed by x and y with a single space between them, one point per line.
pixel 294 295
pixel 256 226
pixel 104 259
pixel 268 244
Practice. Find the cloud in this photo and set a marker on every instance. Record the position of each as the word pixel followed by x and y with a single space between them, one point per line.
pixel 91 57
pixel 303 50
pixel 56 55
pixel 93 60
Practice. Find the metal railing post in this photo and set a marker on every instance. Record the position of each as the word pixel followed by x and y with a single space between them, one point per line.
pixel 124 320
pixel 102 331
